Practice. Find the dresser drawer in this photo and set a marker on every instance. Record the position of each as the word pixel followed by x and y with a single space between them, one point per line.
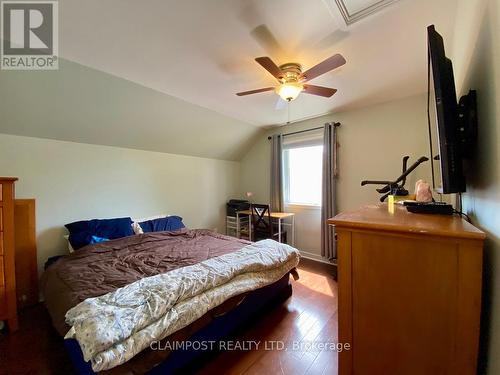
pixel 2 278
pixel 1 218
pixel 1 194
pixel 1 243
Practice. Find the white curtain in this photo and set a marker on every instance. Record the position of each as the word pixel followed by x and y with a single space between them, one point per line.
pixel 328 206
pixel 277 199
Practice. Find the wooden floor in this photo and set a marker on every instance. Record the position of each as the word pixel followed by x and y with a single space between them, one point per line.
pixel 35 348
pixel 309 317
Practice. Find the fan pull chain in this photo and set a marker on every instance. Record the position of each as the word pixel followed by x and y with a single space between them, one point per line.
pixel 288 107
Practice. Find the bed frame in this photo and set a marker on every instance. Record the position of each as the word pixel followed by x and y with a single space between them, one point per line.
pixel 220 327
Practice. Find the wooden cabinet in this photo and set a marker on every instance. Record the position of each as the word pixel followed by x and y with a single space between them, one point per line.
pixel 7 253
pixel 26 258
pixel 409 292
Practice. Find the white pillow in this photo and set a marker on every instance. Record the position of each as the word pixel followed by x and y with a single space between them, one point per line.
pixel 137 228
pixel 70 248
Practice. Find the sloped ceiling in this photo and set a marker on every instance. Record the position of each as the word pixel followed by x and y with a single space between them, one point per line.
pixel 161 74
pixel 80 104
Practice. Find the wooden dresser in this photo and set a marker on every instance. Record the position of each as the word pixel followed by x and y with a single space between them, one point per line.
pixel 409 292
pixel 7 253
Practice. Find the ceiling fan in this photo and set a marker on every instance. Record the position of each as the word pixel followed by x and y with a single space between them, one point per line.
pixel 292 81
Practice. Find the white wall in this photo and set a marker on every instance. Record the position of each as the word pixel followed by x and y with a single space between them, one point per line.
pixel 373 141
pixel 73 181
pixel 476 59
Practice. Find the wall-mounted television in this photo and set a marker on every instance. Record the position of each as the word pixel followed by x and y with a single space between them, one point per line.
pixel 452 125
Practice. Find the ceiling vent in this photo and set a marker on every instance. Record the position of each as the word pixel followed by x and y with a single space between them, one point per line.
pixel 354 10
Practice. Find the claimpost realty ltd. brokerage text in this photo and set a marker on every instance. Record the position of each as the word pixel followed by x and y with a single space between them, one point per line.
pixel 248 345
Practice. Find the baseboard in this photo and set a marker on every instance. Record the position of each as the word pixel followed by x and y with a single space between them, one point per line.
pixel 315 257
pixel 315 266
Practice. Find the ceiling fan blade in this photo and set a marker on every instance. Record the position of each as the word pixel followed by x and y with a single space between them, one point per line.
pixel 332 39
pixel 330 63
pixel 319 90
pixel 255 91
pixel 270 66
pixel 267 40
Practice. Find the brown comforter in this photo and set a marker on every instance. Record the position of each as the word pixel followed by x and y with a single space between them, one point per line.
pixel 98 269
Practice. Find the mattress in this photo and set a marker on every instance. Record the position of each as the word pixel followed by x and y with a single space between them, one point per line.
pixel 102 268
pixel 221 323
pixel 110 267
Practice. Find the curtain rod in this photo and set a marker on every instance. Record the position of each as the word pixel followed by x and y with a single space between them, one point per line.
pixel 307 130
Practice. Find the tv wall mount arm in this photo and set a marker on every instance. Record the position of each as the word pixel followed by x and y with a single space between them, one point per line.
pixel 396 187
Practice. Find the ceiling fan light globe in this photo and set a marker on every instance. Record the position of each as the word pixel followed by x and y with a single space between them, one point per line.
pixel 289 91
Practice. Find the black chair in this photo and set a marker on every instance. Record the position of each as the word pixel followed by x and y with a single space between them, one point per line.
pixel 262 226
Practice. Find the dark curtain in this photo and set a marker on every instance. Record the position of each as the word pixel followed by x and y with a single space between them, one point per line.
pixel 277 199
pixel 328 207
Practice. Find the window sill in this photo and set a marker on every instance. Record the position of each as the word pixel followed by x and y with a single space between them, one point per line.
pixel 303 206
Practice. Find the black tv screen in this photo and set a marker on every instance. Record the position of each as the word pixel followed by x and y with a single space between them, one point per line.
pixel 444 128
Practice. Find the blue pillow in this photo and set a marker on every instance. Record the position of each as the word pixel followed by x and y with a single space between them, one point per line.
pixel 82 233
pixel 96 239
pixel 169 223
pixel 82 239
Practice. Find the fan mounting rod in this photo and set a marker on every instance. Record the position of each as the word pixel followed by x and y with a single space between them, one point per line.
pixel 291 72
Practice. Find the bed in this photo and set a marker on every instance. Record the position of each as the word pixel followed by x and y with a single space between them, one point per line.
pixel 112 300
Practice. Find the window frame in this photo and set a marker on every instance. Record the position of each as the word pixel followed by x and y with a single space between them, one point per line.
pixel 310 140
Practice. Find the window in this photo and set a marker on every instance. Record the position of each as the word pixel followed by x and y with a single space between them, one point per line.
pixel 302 167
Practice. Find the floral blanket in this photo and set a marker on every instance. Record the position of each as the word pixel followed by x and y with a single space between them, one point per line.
pixel 112 328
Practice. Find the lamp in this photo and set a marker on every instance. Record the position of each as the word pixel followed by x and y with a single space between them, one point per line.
pixel 289 90
pixel 249 195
